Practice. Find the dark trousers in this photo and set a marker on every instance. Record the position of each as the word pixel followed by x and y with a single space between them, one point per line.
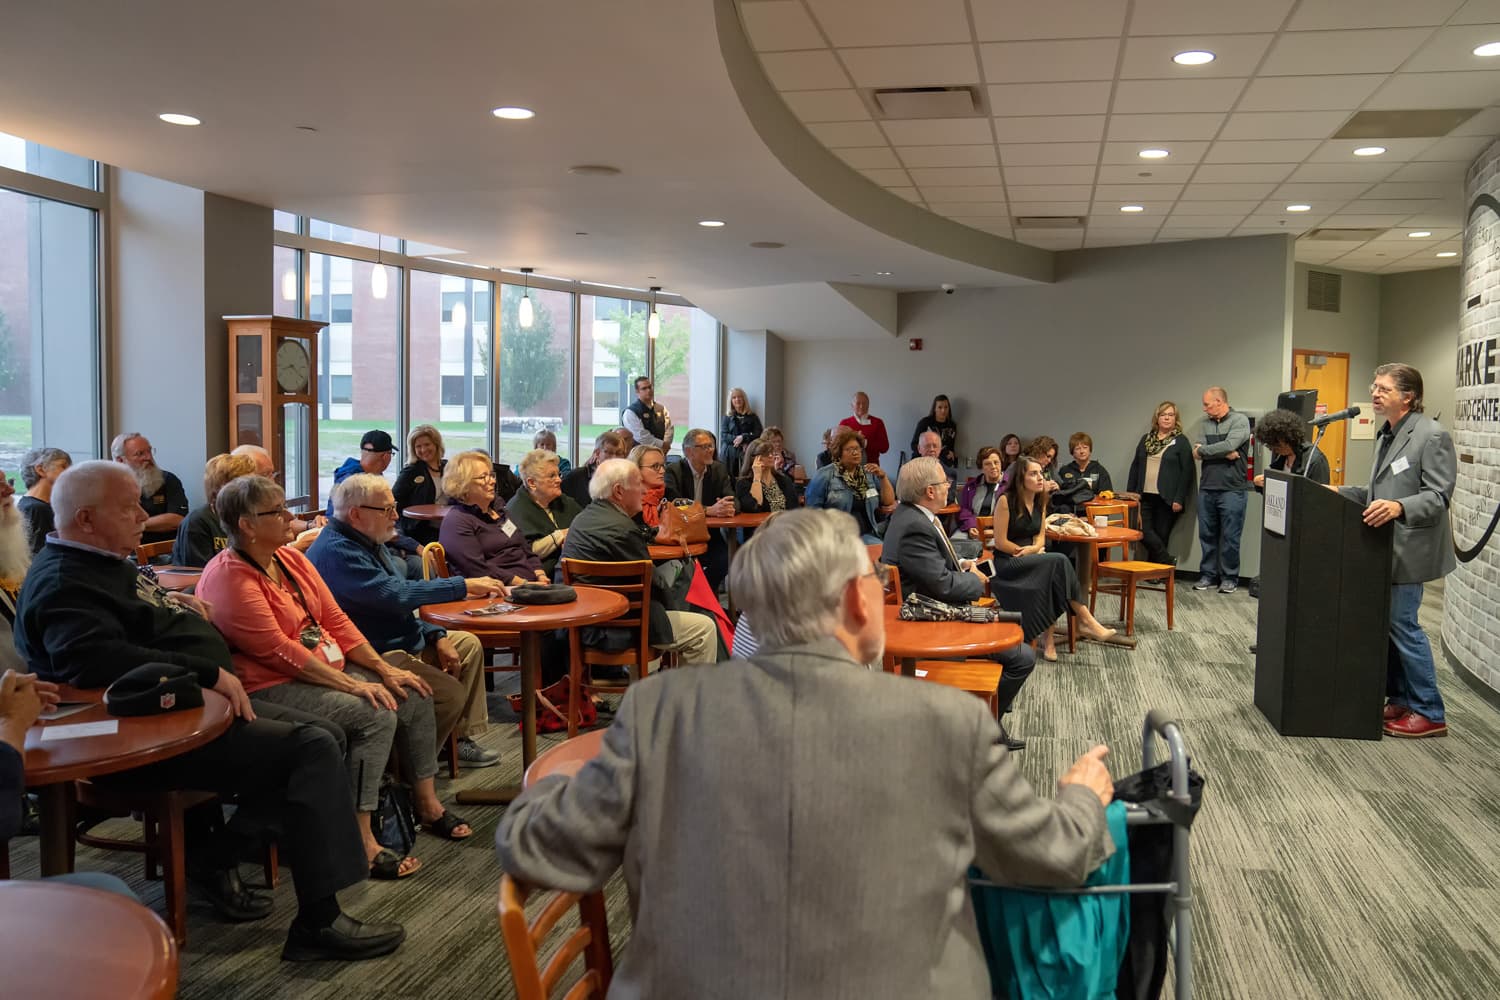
pixel 1018 662
pixel 290 774
pixel 1157 518
pixel 715 561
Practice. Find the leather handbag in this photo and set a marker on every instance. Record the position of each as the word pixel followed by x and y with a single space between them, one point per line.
pixel 686 522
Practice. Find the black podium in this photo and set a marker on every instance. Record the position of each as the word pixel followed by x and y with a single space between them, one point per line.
pixel 1325 592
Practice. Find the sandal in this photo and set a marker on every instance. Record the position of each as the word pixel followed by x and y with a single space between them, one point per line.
pixel 445 824
pixel 390 866
pixel 1050 655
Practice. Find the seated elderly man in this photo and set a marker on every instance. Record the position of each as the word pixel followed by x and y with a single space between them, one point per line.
pixel 376 449
pixel 162 496
pixel 86 617
pixel 919 548
pixel 610 530
pixel 381 600
pixel 902 786
pixel 606 446
pixel 701 477
pixel 265 466
pixel 930 445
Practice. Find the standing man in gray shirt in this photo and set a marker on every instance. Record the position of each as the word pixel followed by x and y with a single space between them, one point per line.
pixel 1219 443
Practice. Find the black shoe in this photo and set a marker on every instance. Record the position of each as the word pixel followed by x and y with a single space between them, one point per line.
pixel 1010 742
pixel 230 897
pixel 345 940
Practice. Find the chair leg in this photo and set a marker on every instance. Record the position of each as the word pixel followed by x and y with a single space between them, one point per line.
pixel 174 866
pixel 1072 632
pixel 575 681
pixel 1171 589
pixel 453 755
pixel 271 865
pixel 1130 611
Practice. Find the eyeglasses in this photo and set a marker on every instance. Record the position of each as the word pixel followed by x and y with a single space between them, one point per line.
pixel 655 466
pixel 389 510
pixel 1376 389
pixel 702 444
pixel 940 482
pixel 275 512
pixel 485 477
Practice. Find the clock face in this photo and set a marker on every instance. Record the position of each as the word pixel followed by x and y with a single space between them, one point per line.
pixel 292 366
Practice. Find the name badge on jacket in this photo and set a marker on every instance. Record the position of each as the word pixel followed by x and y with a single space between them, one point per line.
pixel 1399 466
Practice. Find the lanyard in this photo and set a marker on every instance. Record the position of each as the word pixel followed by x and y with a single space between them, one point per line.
pixel 311 631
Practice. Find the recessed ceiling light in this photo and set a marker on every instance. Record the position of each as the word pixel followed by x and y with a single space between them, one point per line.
pixel 1132 208
pixel 1488 49
pixel 1154 154
pixel 1299 208
pixel 172 118
pixel 514 114
pixel 882 274
pixel 1447 253
pixel 1193 57
pixel 1418 234
pixel 1369 151
pixel 710 223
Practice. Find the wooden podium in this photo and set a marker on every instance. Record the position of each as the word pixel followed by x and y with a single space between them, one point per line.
pixel 1325 594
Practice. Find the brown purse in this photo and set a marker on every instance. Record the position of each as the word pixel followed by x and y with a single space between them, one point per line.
pixel 686 521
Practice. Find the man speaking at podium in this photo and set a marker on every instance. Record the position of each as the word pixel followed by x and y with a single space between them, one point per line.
pixel 1411 483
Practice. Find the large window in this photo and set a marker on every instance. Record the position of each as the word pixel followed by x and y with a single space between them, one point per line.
pixel 687 361
pixel 43 161
pixel 612 352
pixel 535 364
pixel 450 358
pixel 286 295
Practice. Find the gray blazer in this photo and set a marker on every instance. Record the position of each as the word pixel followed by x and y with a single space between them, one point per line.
pixel 1423 548
pixel 915 547
pixel 797 826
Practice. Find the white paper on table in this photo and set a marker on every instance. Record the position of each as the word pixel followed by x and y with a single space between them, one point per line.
pixel 80 730
pixel 920 673
pixel 62 711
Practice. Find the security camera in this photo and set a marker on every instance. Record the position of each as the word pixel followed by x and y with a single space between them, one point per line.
pixel 947 288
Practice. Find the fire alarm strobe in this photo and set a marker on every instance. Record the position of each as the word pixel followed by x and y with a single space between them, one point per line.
pixel 915 344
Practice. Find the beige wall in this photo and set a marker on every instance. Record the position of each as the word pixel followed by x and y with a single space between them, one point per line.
pixel 1419 314
pixel 1353 330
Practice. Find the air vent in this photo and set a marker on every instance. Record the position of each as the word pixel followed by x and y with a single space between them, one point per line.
pixel 1344 235
pixel 928 102
pixel 1404 124
pixel 1323 290
pixel 1049 222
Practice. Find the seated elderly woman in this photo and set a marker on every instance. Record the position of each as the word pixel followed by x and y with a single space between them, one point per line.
pixel 421 481
pixel 1081 479
pixel 293 645
pixel 40 468
pixel 850 485
pixel 786 462
pixel 653 465
pixel 201 535
pixel 978 496
pixel 761 487
pixel 541 509
pixel 478 536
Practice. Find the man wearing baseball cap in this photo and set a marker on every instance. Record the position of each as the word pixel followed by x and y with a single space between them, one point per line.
pixel 375 451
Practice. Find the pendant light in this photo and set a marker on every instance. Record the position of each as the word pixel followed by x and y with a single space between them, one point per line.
pixel 379 281
pixel 653 324
pixel 524 314
pixel 460 315
pixel 289 285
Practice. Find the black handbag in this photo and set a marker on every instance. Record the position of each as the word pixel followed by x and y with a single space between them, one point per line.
pixel 394 820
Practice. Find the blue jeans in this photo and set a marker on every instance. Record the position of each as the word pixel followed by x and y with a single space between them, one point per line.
pixel 1221 519
pixel 1410 674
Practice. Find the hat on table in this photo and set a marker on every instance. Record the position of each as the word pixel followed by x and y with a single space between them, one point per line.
pixel 153 688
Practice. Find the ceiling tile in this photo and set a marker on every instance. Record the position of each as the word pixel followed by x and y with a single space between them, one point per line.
pixel 1072 128
pixel 1178 220
pixel 1155 209
pixel 1241 207
pixel 868 157
pixel 912 66
pixel 888 177
pixel 1038 154
pixel 782 24
pixel 1452 48
pixel 1342 150
pixel 1349 220
pixel 1129 152
pixel 1368 206
pixel 1428 189
pixel 891 22
pixel 1242 173
pixel 1107 215
pixel 1049 192
pixel 1452 148
pixel 1446 171
pixel 1041 62
pixel 1331 173
pixel 1114 238
pixel 1309 93
pixel 1487 122
pixel 1323 15
pixel 1226 192
pixel 1087 98
pixel 1132 194
pixel 1269 151
pixel 1478 12
pixel 1111 173
pixel 837 134
pixel 1151 58
pixel 983 192
pixel 1082 174
pixel 1176 232
pixel 1310 53
pixel 1172 17
pixel 909 193
pixel 1151 128
pixel 1327 194
pixel 1020 208
pixel 930 177
pixel 972 209
pixel 1006 20
pixel 938 131
pixel 814 70
pixel 1437 90
pixel 948 156
pixel 826 105
pixel 1171 96
pixel 1283 124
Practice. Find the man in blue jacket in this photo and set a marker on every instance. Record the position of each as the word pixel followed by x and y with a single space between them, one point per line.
pixel 374 590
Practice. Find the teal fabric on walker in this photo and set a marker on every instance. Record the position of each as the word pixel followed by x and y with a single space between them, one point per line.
pixel 1050 946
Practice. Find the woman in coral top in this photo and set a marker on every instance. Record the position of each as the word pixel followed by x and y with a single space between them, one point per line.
pixel 293 645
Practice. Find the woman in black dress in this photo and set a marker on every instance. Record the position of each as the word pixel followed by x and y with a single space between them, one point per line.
pixel 939 420
pixel 1042 584
pixel 421 481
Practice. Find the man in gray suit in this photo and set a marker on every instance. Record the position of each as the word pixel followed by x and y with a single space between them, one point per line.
pixel 929 564
pixel 796 825
pixel 1411 483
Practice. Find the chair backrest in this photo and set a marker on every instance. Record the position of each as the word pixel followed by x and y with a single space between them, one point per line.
pixel 986 527
pixel 522 940
pixel 434 561
pixel 633 580
pixel 890 582
pixel 148 551
pixel 1117 513
pixel 875 551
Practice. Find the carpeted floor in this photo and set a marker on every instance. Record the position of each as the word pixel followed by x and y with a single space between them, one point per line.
pixel 1323 869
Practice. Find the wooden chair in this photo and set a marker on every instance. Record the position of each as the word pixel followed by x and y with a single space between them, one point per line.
pixel 1118 515
pixel 1125 576
pixel 522 940
pixel 986 536
pixel 978 677
pixel 634 582
pixel 149 551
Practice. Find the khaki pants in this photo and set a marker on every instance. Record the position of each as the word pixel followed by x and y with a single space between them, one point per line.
pixel 694 636
pixel 458 702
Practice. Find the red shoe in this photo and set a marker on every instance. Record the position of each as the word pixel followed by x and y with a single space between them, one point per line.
pixel 1393 711
pixel 1412 726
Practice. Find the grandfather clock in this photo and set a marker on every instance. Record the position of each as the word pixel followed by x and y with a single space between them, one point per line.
pixel 273 397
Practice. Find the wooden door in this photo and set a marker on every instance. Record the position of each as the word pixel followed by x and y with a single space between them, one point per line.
pixel 1328 373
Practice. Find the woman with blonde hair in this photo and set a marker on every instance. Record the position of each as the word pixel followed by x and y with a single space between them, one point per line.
pixel 741 426
pixel 201 535
pixel 1162 475
pixel 421 481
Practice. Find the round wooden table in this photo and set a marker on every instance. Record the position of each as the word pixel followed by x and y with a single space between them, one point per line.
pixel 178 578
pixel 52 767
pixel 426 511
pixel 1103 538
pixel 909 642
pixel 594 605
pixel 67 942
pixel 566 758
pixel 663 551
pixel 733 523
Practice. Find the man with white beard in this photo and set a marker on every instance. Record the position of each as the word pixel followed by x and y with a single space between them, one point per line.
pixel 162 495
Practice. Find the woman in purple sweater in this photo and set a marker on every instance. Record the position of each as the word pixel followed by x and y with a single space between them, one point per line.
pixel 479 539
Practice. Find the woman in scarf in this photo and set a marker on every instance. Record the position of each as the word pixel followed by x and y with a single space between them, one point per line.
pixel 1162 476
pixel 850 485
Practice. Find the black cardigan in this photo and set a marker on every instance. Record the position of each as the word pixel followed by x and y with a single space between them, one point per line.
pixel 747 504
pixel 1176 477
pixel 414 487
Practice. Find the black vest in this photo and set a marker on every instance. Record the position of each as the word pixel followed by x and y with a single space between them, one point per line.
pixel 654 423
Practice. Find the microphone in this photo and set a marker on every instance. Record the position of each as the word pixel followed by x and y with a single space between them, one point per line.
pixel 1329 418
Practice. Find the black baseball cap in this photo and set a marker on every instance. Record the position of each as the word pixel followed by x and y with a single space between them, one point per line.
pixel 153 688
pixel 376 441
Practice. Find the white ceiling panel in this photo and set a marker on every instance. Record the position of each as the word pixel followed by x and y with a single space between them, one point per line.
pixel 1151 58
pixel 1452 48
pixel 1324 15
pixel 1283 125
pixel 1426 189
pixel 826 105
pixel 1310 93
pixel 978 192
pixel 1076 128
pixel 1173 17
pixel 938 131
pixel 1129 152
pixel 1172 231
pixel 1010 20
pixel 1267 151
pixel 780 24
pixel 1150 128
pixel 1081 174
pixel 1465 149
pixel 1048 192
pixel 1132 174
pixel 888 177
pixel 868 157
pixel 1227 192
pixel 1442 171
pixel 1389 206
pixel 1478 12
pixel 1153 96
pixel 837 134
pixel 1241 207
pixel 948 156
pixel 818 69
pixel 1325 193
pixel 1243 173
pixel 1342 151
pixel 1311 53
pixel 1486 122
pixel 891 22
pixel 1040 62
pixel 1136 193
pixel 1105 215
pixel 930 177
pixel 1086 98
pixel 1038 154
pixel 1438 90
pixel 1021 208
pixel 972 209
pixel 1350 220
pixel 1187 220
pixel 912 66
pixel 1330 173
pixel 1110 207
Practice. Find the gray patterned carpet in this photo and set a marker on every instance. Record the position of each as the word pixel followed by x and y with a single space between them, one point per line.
pixel 1323 869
